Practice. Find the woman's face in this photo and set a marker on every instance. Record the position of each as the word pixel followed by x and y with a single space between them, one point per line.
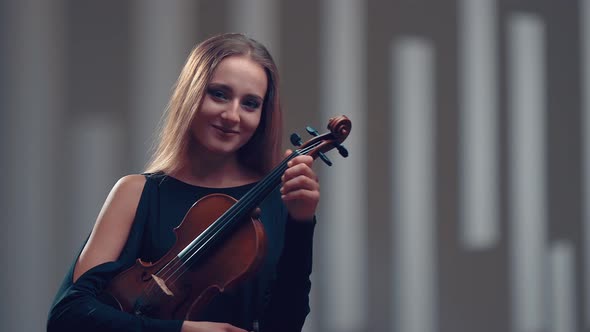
pixel 231 108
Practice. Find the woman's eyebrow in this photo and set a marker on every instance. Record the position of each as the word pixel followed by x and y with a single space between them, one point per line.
pixel 219 86
pixel 254 96
pixel 226 87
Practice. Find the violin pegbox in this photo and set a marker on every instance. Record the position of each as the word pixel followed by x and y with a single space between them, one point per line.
pixel 319 144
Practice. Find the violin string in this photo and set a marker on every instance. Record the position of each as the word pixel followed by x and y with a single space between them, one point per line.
pixel 214 227
pixel 175 265
pixel 228 218
pixel 173 269
pixel 232 218
pixel 219 226
pixel 199 247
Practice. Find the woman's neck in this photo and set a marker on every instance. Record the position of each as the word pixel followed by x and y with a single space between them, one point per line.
pixel 215 171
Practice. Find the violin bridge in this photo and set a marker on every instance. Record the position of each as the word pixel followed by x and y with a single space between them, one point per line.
pixel 162 285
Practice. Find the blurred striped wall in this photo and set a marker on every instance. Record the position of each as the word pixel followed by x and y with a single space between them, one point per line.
pixel 464 205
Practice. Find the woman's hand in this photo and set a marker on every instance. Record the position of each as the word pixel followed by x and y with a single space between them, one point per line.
pixel 189 326
pixel 300 190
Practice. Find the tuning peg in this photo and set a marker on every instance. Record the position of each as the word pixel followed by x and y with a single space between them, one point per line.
pixel 312 131
pixel 342 150
pixel 296 139
pixel 325 159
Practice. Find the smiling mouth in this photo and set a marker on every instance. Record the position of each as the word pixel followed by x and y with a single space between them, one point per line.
pixel 225 130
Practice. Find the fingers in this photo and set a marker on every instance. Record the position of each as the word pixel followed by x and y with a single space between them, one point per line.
pixel 308 160
pixel 300 189
pixel 297 187
pixel 300 165
pixel 301 195
pixel 300 182
pixel 303 159
pixel 299 177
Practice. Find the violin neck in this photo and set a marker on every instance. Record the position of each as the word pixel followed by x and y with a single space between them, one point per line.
pixel 237 212
pixel 262 189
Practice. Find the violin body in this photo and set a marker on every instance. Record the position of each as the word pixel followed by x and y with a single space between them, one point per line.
pixel 169 289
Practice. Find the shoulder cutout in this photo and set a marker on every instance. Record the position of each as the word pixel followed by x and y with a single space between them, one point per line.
pixel 112 225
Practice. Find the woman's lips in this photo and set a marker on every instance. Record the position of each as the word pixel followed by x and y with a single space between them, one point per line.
pixel 225 130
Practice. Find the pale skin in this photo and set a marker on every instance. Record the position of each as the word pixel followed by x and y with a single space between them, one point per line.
pixel 226 120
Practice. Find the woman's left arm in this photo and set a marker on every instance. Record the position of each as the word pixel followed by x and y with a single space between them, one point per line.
pixel 289 302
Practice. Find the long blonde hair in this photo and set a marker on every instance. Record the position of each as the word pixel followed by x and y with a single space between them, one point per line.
pixel 262 151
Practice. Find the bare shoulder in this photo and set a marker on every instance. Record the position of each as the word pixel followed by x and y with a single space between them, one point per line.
pixel 125 194
pixel 112 225
pixel 131 184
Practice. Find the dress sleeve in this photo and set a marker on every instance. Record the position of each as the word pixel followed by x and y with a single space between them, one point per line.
pixel 289 299
pixel 77 306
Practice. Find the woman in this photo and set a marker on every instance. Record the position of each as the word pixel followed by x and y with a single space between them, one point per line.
pixel 220 135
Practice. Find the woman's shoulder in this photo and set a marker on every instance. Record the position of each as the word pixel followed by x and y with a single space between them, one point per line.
pixel 133 179
pixel 131 183
pixel 128 189
pixel 113 224
pixel 126 192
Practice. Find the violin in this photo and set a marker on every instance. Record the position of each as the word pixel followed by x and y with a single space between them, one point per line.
pixel 219 243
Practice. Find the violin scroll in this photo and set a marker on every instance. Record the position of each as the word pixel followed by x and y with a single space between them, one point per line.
pixel 339 127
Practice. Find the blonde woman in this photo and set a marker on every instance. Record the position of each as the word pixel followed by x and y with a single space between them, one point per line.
pixel 220 135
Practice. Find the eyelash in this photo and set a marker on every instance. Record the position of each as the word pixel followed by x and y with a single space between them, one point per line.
pixel 217 94
pixel 221 95
pixel 252 104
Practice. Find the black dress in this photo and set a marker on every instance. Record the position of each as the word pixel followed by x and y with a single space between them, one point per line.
pixel 277 297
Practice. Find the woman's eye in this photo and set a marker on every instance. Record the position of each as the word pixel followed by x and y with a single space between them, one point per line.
pixel 251 104
pixel 217 94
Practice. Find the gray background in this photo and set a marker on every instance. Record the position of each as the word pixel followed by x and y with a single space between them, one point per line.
pixel 83 85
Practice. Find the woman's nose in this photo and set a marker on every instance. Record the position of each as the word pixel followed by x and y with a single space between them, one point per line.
pixel 232 112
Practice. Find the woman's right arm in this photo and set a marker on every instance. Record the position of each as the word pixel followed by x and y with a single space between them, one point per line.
pixel 112 226
pixel 78 307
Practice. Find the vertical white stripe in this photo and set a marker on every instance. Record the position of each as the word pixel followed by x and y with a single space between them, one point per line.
pixel 163 35
pixel 478 120
pixel 344 207
pixel 528 217
pixel 36 83
pixel 562 288
pixel 414 231
pixel 258 19
pixel 96 151
pixel 585 46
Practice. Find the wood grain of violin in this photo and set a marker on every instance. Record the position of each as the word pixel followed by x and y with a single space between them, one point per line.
pixel 219 244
